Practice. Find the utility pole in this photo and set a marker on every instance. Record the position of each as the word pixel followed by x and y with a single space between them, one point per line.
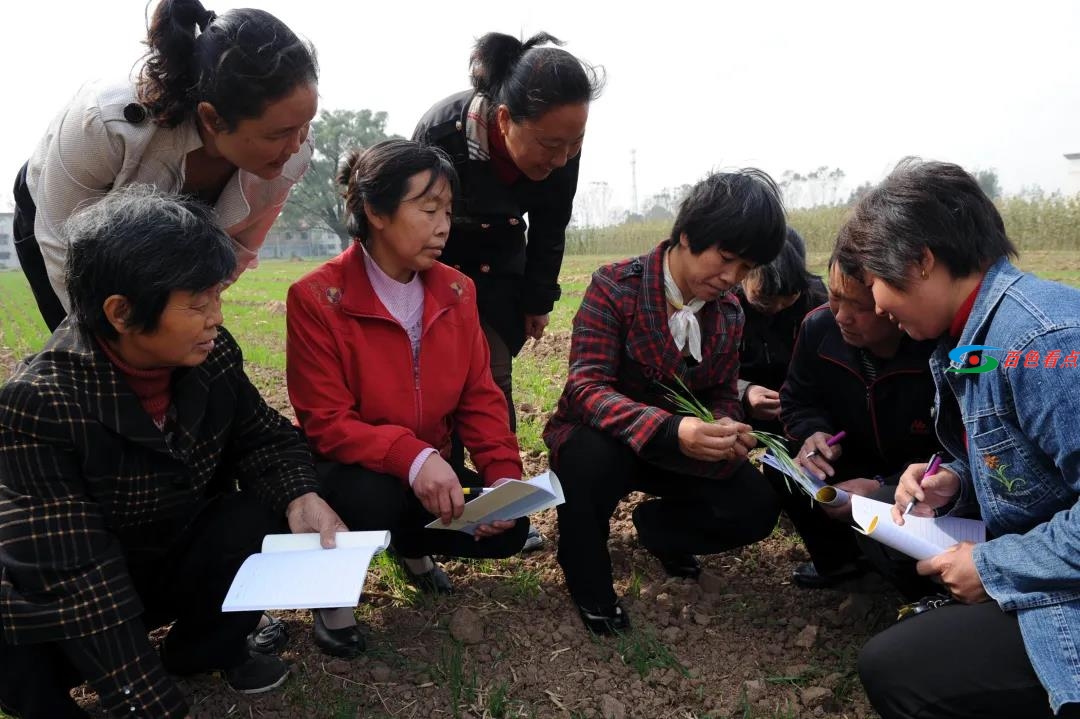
pixel 633 182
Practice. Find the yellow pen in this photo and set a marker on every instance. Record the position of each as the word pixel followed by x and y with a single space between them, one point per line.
pixel 474 491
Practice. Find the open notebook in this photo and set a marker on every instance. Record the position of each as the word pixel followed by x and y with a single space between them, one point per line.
pixel 510 500
pixel 808 483
pixel 918 537
pixel 295 572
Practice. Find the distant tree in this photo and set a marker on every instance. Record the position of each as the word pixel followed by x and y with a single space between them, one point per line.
pixel 858 192
pixel 316 200
pixel 592 205
pixel 658 213
pixel 817 187
pixel 988 181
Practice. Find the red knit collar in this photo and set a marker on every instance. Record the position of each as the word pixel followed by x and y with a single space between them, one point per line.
pixel 153 387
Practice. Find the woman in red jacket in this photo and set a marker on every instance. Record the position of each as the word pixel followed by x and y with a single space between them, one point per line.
pixel 385 358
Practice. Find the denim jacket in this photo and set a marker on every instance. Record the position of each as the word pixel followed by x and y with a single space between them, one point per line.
pixel 1022 461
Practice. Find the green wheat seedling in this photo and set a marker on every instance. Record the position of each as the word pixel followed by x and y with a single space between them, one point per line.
pixel 686 403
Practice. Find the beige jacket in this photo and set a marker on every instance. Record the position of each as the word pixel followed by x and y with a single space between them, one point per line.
pixel 90 148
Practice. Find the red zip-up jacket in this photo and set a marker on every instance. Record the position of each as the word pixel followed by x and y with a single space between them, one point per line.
pixel 358 395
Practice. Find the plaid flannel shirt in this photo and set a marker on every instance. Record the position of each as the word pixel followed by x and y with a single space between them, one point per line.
pixel 86 477
pixel 621 352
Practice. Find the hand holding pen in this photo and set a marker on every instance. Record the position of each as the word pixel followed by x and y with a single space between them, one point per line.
pixel 923 488
pixel 817 446
pixel 931 469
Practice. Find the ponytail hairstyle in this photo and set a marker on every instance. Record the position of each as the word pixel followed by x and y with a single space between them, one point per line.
pixel 238 62
pixel 529 79
pixel 378 178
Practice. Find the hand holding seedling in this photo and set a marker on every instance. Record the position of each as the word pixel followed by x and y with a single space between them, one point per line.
pixel 716 441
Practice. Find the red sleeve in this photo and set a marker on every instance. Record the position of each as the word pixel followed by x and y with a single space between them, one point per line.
pixel 482 417
pixel 325 406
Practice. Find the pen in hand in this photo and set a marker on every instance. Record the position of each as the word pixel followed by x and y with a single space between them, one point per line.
pixel 828 443
pixel 931 469
pixel 474 491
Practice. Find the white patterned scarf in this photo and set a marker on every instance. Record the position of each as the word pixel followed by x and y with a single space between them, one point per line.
pixel 476 128
pixel 683 324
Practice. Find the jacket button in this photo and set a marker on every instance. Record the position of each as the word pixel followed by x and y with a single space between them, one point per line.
pixel 134 113
pixel 514 221
pixel 457 125
pixel 485 225
pixel 457 267
pixel 485 268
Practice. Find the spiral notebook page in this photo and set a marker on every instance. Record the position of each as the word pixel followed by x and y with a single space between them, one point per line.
pixel 918 537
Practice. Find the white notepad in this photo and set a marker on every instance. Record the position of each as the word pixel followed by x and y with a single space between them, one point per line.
pixel 295 572
pixel 511 500
pixel 918 537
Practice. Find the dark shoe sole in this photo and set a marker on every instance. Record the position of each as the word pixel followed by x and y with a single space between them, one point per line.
pixel 261 690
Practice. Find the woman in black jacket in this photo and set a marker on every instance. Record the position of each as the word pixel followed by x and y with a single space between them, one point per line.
pixel 775 298
pixel 515 139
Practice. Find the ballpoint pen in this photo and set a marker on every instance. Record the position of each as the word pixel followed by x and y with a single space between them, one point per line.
pixel 931 468
pixel 828 443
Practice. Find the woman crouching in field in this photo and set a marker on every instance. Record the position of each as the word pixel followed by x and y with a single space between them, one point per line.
pixel 386 357
pixel 646 324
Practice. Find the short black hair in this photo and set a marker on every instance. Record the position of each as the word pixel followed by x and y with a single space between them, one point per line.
pixel 529 77
pixel 739 212
pixel 922 205
pixel 141 244
pixel 379 176
pixel 786 274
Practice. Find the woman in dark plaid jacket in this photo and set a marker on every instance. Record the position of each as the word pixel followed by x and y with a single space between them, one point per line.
pixel 643 323
pixel 122 446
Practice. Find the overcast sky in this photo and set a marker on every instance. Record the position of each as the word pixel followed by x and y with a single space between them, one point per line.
pixel 691 86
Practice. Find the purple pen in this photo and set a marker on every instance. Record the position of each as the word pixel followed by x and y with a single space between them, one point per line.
pixel 931 469
pixel 828 443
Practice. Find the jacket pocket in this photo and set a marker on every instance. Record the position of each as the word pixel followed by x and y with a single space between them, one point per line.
pixel 1004 468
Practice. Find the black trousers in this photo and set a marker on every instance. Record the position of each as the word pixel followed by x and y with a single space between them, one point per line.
pixel 187 584
pixel 30 258
pixel 831 544
pixel 367 500
pixel 687 515
pixel 957 662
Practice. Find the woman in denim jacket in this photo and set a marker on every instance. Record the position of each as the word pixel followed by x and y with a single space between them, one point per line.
pixel 933 250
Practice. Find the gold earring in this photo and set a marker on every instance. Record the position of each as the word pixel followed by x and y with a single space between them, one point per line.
pixel 925 276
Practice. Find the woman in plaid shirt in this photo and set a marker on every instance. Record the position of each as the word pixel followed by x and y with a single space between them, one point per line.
pixel 643 323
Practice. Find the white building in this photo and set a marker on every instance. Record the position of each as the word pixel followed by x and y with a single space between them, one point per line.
pixel 8 259
pixel 287 244
pixel 1072 174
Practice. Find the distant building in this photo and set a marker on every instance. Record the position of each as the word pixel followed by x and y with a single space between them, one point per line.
pixel 1072 174
pixel 8 259
pixel 302 242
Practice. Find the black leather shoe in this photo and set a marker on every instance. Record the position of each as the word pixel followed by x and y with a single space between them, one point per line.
pixel 807 576
pixel 270 639
pixel 260 673
pixel 346 642
pixel 433 581
pixel 685 566
pixel 604 622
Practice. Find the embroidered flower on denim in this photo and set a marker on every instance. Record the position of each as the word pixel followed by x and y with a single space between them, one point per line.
pixel 997 473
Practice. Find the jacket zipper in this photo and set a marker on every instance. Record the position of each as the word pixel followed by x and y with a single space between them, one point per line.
pixel 869 392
